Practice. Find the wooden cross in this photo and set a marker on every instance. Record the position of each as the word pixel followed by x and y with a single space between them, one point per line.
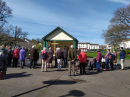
pixel 54 45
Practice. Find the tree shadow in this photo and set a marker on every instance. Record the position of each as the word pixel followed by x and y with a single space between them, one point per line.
pixel 50 82
pixel 75 93
pixel 60 82
pixel 17 75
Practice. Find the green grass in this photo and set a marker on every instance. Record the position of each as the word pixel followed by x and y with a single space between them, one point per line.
pixel 93 54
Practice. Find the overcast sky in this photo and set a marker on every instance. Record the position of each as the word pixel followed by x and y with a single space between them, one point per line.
pixel 83 19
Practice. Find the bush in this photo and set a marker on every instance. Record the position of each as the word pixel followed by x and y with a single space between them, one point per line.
pixel 127 51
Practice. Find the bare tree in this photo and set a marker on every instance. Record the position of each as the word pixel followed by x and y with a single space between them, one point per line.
pixel 119 29
pixel 122 16
pixel 5 13
pixel 12 35
pixel 114 35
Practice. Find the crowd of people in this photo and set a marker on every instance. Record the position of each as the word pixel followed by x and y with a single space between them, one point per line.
pixel 72 55
pixel 7 54
pixel 68 56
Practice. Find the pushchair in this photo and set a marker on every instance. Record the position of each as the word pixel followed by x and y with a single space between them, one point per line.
pixel 103 62
pixel 93 64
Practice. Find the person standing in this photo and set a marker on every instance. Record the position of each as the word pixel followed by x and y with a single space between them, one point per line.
pixel 44 60
pixel 4 51
pixel 59 56
pixel 79 51
pixel 50 53
pixel 49 46
pixel 63 62
pixel 55 57
pixel 32 56
pixel 82 60
pixel 99 57
pixel 15 57
pixel 122 58
pixel 65 56
pixel 22 55
pixel 72 55
pixel 37 56
pixel 115 61
pixel 107 59
pixel 10 53
pixel 3 67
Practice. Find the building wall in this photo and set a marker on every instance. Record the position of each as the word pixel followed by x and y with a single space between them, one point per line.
pixel 86 46
pixel 125 44
pixel 58 35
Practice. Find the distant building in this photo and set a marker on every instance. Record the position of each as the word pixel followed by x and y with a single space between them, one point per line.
pixel 108 46
pixel 125 44
pixel 87 46
pixel 102 46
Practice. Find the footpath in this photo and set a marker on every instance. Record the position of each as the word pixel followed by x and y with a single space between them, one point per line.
pixel 34 83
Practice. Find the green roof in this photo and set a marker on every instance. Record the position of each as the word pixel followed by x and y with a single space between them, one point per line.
pixel 61 30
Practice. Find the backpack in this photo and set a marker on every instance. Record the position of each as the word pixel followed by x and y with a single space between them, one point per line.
pixel 60 54
pixel 110 56
pixel 44 56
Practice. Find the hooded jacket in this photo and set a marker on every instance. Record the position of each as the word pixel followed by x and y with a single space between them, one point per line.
pixel 16 53
pixel 22 54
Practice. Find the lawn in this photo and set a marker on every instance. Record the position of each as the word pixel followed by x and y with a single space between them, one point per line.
pixel 93 54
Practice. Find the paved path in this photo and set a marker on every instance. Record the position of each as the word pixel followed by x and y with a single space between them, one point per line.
pixel 34 83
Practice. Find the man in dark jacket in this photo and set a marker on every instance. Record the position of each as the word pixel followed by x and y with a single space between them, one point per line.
pixel 72 55
pixel 122 58
pixel 65 56
pixel 10 53
pixel 32 56
pixel 3 64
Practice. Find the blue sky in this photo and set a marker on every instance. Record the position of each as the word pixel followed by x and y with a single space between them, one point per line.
pixel 83 19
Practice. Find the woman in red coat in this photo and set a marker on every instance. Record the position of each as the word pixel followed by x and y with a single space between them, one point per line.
pixel 82 60
pixel 15 57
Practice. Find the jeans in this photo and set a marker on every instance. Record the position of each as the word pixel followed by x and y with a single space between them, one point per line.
pixel 31 60
pixel 65 61
pixel 22 63
pixel 98 65
pixel 107 65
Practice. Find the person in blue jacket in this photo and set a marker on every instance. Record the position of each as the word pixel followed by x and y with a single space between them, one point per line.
pixel 122 58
